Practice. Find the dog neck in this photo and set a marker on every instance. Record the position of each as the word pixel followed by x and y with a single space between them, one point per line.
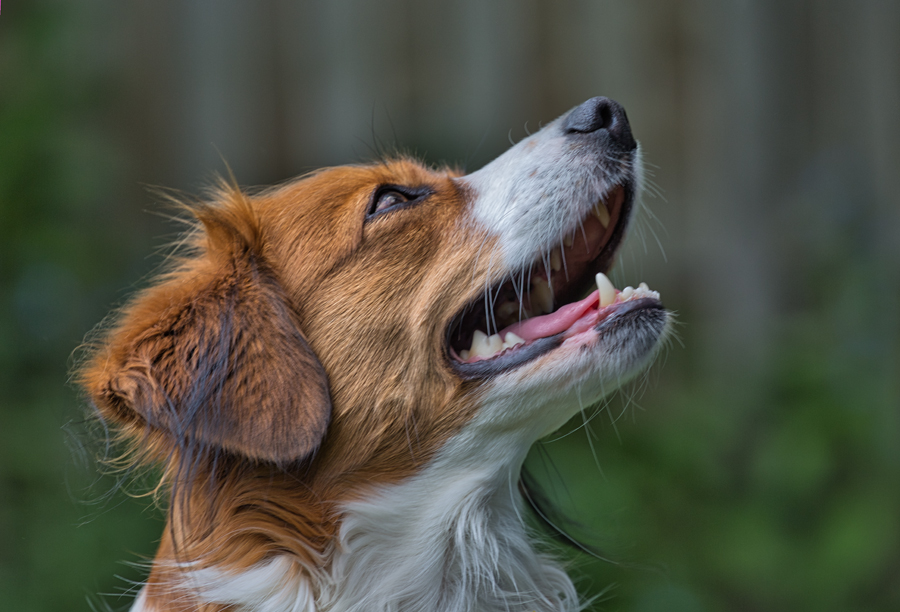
pixel 450 538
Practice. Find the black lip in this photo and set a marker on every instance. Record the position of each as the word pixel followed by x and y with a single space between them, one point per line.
pixel 631 307
pixel 503 363
pixel 574 291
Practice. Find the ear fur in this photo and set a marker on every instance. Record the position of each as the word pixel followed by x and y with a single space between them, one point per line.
pixel 214 354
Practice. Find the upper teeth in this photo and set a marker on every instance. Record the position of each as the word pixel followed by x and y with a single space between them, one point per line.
pixel 601 213
pixel 556 260
pixel 541 296
pixel 507 311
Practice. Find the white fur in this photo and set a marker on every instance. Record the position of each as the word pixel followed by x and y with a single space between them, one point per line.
pixel 450 539
pixel 140 604
pixel 535 193
pixel 278 585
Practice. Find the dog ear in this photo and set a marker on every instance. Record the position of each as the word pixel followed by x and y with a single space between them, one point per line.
pixel 214 355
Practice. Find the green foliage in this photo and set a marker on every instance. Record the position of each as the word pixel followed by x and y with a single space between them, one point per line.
pixel 60 537
pixel 788 503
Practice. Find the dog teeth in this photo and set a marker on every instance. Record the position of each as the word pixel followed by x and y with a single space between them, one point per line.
pixel 601 213
pixel 479 344
pixel 555 260
pixel 541 296
pixel 606 289
pixel 608 294
pixel 569 240
pixel 485 346
pixel 512 340
pixel 642 291
pixel 507 311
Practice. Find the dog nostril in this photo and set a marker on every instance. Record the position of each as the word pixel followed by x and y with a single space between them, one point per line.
pixel 601 114
pixel 595 114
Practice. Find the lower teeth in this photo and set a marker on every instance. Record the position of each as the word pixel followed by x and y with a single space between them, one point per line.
pixel 485 346
pixel 608 295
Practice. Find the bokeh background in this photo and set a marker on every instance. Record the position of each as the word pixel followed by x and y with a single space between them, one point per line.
pixel 756 468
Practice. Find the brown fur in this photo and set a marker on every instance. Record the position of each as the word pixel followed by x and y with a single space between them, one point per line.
pixel 294 360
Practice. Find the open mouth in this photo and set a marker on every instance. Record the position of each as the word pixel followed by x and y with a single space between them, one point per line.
pixel 564 292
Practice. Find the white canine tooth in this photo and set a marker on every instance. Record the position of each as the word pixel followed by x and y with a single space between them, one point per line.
pixel 555 260
pixel 541 296
pixel 627 292
pixel 607 290
pixel 601 213
pixel 512 340
pixel 464 355
pixel 569 240
pixel 644 287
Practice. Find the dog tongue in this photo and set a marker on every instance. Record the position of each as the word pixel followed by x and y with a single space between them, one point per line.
pixel 553 323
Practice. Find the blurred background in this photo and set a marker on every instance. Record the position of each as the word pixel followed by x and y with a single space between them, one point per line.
pixel 757 466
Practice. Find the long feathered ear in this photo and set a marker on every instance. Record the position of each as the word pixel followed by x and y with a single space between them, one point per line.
pixel 213 355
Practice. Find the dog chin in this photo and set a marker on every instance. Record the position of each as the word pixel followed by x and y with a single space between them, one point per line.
pixel 586 367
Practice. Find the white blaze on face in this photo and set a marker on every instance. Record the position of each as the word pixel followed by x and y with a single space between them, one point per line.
pixel 534 195
pixel 535 199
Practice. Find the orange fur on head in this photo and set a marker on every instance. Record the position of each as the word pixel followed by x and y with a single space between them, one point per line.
pixel 229 351
pixel 214 355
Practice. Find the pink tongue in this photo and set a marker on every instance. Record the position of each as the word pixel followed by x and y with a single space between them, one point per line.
pixel 553 323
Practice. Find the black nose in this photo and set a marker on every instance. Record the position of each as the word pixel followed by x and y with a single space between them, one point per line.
pixel 601 115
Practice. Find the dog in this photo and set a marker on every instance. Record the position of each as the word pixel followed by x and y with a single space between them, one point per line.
pixel 341 376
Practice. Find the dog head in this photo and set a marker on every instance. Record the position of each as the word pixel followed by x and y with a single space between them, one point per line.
pixel 343 327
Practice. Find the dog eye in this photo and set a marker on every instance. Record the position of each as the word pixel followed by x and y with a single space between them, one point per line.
pixel 390 197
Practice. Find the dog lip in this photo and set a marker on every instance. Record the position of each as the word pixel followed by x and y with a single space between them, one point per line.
pixel 508 359
pixel 615 315
pixel 624 309
pixel 518 355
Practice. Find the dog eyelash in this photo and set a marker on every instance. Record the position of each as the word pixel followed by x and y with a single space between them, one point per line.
pixel 388 198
